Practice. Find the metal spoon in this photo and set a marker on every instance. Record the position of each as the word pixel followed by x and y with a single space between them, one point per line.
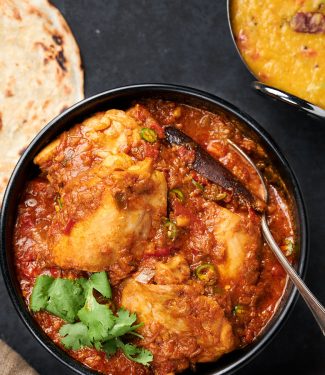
pixel 314 305
pixel 214 171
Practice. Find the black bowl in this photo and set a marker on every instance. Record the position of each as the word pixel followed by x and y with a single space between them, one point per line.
pixel 122 98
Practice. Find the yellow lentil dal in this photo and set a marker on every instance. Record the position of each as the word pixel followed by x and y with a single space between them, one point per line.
pixel 277 54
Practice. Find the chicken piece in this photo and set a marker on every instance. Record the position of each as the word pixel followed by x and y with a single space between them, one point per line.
pixel 238 239
pixel 47 153
pixel 124 216
pixel 104 134
pixel 181 326
pixel 109 204
pixel 174 271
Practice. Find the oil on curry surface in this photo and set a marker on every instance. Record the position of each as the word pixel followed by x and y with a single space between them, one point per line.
pixel 183 254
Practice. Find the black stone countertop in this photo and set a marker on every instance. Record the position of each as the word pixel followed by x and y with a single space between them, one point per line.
pixel 188 42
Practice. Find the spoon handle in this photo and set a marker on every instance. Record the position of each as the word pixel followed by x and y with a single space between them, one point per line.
pixel 315 306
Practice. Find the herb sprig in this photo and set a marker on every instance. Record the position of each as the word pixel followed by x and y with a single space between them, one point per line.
pixel 90 324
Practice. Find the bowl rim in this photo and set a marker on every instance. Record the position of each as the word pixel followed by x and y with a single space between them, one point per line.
pixel 139 89
pixel 272 91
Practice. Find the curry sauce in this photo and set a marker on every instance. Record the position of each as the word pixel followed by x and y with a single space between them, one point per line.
pixel 182 253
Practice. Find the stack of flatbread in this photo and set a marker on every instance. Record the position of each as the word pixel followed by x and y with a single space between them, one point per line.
pixel 40 75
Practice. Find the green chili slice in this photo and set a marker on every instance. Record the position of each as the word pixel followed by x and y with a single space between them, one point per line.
pixel 197 184
pixel 239 310
pixel 178 193
pixel 171 229
pixel 149 135
pixel 206 272
pixel 59 202
pixel 221 196
pixel 214 197
pixel 288 247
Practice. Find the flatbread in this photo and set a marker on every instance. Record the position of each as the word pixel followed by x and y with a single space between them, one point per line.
pixel 40 75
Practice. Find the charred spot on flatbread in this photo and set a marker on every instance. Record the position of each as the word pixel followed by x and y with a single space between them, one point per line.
pixel 60 58
pixel 57 39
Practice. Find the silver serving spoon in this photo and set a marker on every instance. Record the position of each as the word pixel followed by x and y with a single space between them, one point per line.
pixel 314 305
pixel 214 171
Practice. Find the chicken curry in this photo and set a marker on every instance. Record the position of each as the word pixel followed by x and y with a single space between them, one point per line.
pixel 133 262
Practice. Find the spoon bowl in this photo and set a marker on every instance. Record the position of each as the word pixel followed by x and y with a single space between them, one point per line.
pixel 314 305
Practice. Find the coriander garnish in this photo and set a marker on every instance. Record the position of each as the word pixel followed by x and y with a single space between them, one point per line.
pixel 91 324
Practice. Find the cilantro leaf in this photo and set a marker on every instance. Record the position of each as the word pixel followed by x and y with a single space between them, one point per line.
pixel 125 317
pixel 132 352
pixel 135 353
pixel 75 336
pixel 61 297
pixel 101 284
pixel 74 300
pixel 98 345
pixel 66 297
pixel 84 283
pixel 39 297
pixel 109 347
pixel 98 318
pixel 123 323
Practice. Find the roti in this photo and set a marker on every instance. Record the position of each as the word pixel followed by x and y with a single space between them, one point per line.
pixel 40 75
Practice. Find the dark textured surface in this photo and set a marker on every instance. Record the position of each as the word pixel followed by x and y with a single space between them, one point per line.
pixel 188 42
